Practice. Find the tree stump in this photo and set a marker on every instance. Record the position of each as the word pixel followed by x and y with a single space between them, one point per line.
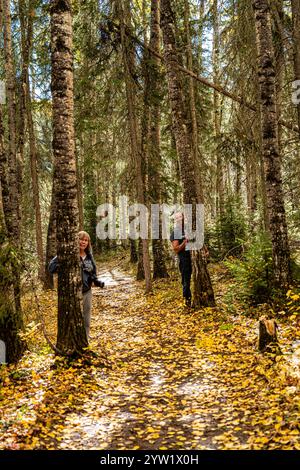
pixel 268 341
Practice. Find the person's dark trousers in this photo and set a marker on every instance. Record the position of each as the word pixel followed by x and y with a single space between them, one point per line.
pixel 185 267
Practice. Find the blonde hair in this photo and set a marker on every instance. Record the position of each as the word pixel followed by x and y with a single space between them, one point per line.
pixel 82 234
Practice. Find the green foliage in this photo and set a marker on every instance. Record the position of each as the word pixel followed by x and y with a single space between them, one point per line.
pixel 8 261
pixel 253 273
pixel 231 227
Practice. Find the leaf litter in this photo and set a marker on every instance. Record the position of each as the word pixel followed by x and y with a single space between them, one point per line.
pixel 163 377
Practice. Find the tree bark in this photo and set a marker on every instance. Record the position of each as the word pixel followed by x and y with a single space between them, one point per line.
pixel 203 293
pixel 51 241
pixel 128 61
pixel 11 319
pixel 11 104
pixel 27 111
pixel 155 166
pixel 217 111
pixel 268 341
pixel 296 46
pixel 71 337
pixel 192 100
pixel 277 7
pixel 270 149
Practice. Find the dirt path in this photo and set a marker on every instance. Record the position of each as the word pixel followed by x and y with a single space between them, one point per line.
pixel 175 379
pixel 171 386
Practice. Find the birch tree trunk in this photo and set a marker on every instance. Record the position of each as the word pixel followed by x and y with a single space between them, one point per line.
pixel 270 148
pixel 202 293
pixel 71 337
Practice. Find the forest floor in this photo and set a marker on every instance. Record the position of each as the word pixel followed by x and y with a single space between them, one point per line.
pixel 165 377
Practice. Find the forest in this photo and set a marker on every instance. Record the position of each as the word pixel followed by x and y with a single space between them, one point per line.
pixel 149 225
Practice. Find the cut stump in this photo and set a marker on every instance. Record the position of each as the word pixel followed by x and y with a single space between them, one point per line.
pixel 268 341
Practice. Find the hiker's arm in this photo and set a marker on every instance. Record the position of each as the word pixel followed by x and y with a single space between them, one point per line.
pixel 179 247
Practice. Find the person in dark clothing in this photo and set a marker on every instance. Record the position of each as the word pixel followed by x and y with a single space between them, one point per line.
pixel 88 273
pixel 179 242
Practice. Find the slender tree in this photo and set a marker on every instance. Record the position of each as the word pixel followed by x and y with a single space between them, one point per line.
pixel 155 164
pixel 51 240
pixel 71 338
pixel 296 46
pixel 203 292
pixel 217 109
pixel 26 20
pixel 270 148
pixel 11 318
pixel 128 60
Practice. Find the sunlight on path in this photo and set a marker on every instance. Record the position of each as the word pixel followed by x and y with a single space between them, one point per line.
pixel 167 388
pixel 175 379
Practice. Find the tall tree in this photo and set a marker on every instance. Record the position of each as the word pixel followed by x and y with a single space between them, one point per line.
pixel 128 60
pixel 203 292
pixel 270 148
pixel 11 319
pixel 51 240
pixel 296 45
pixel 26 20
pixel 71 337
pixel 191 105
pixel 217 108
pixel 155 165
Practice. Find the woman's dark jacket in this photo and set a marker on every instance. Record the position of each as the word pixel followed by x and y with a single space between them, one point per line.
pixel 88 271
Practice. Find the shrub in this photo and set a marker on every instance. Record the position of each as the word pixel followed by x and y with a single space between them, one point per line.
pixel 231 227
pixel 253 273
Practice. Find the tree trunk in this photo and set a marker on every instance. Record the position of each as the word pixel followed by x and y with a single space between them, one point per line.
pixel 79 172
pixel 27 111
pixel 71 337
pixel 128 60
pixel 200 35
pixel 251 183
pixel 296 46
pixel 140 273
pixel 133 252
pixel 155 166
pixel 51 241
pixel 268 341
pixel 11 103
pixel 203 292
pixel 217 111
pixel 271 156
pixel 277 7
pixel 11 319
pixel 191 100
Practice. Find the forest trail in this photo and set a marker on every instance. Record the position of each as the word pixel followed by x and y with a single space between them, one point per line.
pixel 174 379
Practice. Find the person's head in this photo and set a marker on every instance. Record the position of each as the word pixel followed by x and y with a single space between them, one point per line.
pixel 178 218
pixel 85 242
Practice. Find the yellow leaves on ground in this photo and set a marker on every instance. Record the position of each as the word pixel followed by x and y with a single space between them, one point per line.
pixel 175 378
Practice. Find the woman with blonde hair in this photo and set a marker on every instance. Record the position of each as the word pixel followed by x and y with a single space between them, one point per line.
pixel 88 273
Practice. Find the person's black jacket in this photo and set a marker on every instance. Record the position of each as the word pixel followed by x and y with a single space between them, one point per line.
pixel 88 272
